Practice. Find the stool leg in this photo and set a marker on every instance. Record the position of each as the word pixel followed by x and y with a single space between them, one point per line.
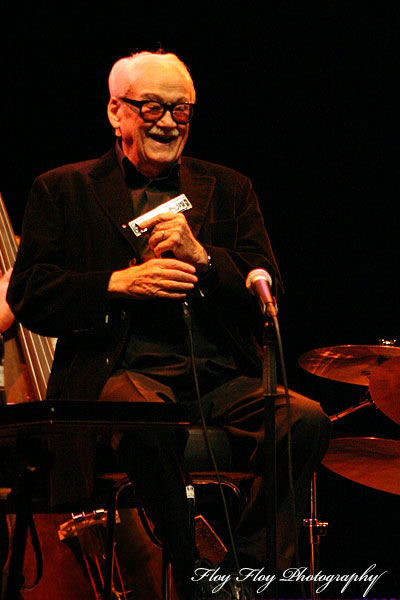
pixel 166 563
pixel 22 519
pixel 110 540
pixel 166 576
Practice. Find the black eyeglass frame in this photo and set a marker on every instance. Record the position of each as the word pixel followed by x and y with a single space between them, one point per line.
pixel 166 107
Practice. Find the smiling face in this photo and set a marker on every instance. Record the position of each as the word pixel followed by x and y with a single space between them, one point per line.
pixel 152 147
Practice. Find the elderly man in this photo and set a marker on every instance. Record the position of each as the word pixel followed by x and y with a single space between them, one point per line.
pixel 115 301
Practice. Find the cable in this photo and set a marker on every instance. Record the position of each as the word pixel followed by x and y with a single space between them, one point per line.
pixel 188 322
pixel 289 443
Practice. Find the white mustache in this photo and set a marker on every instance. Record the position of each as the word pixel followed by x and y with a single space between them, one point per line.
pixel 160 132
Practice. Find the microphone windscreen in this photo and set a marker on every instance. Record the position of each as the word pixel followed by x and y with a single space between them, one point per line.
pixel 256 275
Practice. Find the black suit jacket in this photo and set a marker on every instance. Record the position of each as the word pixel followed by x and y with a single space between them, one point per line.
pixel 75 235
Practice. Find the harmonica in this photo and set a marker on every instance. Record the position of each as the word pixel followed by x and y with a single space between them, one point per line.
pixel 174 205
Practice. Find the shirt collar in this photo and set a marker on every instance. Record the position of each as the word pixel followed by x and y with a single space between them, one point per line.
pixel 135 179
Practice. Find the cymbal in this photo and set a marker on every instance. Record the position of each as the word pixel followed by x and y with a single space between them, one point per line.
pixel 384 387
pixel 349 364
pixel 374 462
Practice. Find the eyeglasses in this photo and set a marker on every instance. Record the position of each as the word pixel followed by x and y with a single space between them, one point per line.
pixel 152 111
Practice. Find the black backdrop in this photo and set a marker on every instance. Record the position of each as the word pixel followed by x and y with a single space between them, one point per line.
pixel 300 96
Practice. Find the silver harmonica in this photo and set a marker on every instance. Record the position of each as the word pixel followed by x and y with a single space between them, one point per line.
pixel 175 205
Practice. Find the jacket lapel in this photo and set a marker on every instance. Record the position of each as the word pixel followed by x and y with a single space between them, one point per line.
pixel 111 193
pixel 199 191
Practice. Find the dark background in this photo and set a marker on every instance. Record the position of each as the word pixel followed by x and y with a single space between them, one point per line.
pixel 299 96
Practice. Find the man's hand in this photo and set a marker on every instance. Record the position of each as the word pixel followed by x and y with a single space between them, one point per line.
pixel 6 316
pixel 156 278
pixel 171 233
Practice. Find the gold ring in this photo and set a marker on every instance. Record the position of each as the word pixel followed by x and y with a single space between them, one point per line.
pixel 163 234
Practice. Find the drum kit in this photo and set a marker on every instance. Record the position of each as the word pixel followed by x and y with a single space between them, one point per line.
pixel 369 461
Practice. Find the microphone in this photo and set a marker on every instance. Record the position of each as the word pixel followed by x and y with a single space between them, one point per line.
pixel 259 282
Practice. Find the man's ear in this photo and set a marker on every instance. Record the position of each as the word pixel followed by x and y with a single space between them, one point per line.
pixel 113 115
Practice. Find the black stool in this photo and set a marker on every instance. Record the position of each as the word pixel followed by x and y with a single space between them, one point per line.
pixel 199 466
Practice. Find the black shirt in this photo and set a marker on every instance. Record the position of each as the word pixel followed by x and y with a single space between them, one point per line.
pixel 158 344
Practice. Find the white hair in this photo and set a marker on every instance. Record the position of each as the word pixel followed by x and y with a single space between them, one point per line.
pixel 122 72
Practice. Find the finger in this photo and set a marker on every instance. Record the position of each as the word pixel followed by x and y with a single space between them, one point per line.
pixel 162 250
pixel 169 269
pixel 175 285
pixel 175 264
pixel 172 295
pixel 178 277
pixel 157 219
pixel 157 237
pixel 163 239
pixel 168 288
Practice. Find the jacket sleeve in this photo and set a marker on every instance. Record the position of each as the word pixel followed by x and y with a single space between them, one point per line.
pixel 236 238
pixel 238 242
pixel 48 295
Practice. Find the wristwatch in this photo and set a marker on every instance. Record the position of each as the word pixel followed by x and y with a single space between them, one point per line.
pixel 210 263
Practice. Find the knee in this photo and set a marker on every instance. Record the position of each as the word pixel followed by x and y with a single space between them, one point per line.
pixel 308 420
pixel 314 427
pixel 309 409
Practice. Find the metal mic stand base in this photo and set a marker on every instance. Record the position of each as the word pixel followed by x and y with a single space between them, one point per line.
pixel 270 384
pixel 316 529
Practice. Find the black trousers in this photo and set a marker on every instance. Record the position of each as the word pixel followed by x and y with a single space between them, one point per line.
pixel 153 461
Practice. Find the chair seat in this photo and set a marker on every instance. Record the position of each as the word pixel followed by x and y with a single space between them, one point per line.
pixel 196 457
pixel 236 476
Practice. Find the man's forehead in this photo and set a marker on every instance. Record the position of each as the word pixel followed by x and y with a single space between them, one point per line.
pixel 160 70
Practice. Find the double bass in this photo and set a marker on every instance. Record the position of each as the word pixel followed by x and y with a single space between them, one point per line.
pixel 29 356
pixel 71 548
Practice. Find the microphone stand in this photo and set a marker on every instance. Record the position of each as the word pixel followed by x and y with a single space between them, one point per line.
pixel 269 388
